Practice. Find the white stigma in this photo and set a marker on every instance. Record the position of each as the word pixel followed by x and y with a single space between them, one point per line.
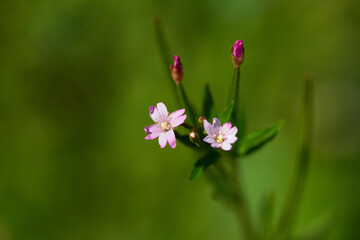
pixel 166 126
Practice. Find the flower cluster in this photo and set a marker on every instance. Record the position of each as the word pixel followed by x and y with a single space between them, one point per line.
pixel 218 136
pixel 215 134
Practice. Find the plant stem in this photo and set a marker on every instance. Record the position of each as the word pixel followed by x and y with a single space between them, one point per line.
pixel 294 198
pixel 177 88
pixel 165 52
pixel 186 104
pixel 185 125
pixel 239 204
pixel 238 112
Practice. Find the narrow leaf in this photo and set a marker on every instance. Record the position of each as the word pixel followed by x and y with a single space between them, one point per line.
pixel 208 103
pixel 226 115
pixel 203 163
pixel 257 139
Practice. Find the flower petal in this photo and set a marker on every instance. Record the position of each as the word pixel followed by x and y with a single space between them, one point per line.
pixel 154 114
pixel 176 114
pixel 170 136
pixel 226 127
pixel 153 131
pixel 209 139
pixel 215 145
pixel 209 129
pixel 162 110
pixel 231 139
pixel 162 139
pixel 177 121
pixel 216 125
pixel 226 146
pixel 231 132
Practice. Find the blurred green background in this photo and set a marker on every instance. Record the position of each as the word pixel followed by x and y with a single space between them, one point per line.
pixel 77 78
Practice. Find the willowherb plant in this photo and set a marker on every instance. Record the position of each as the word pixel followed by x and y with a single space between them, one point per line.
pixel 222 140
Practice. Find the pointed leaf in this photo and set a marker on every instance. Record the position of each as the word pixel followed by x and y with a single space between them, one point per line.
pixel 226 115
pixel 257 139
pixel 208 103
pixel 203 163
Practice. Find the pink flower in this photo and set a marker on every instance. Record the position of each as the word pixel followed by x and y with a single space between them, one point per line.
pixel 164 124
pixel 237 53
pixel 220 136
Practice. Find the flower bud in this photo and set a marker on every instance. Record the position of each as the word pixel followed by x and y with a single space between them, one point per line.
pixel 176 70
pixel 194 138
pixel 201 120
pixel 237 53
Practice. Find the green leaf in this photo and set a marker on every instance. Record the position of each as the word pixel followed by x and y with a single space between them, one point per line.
pixel 208 103
pixel 203 163
pixel 257 139
pixel 226 115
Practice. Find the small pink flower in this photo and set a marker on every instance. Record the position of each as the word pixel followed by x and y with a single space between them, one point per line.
pixel 237 53
pixel 164 124
pixel 220 136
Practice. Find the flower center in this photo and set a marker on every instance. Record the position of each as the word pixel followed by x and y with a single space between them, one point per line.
pixel 166 126
pixel 219 138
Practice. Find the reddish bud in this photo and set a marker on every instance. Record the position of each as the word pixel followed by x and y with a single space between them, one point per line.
pixel 237 53
pixel 176 70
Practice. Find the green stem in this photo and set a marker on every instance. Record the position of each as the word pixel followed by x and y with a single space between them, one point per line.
pixel 177 88
pixel 238 112
pixel 240 205
pixel 165 52
pixel 294 198
pixel 186 104
pixel 185 125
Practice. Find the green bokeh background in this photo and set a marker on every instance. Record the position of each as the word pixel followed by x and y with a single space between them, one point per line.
pixel 77 78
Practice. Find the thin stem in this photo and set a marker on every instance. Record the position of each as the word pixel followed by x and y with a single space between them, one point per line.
pixel 186 104
pixel 239 204
pixel 165 52
pixel 177 88
pixel 238 113
pixel 188 126
pixel 294 198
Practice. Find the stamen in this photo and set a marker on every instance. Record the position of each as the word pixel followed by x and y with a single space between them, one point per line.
pixel 219 138
pixel 166 126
